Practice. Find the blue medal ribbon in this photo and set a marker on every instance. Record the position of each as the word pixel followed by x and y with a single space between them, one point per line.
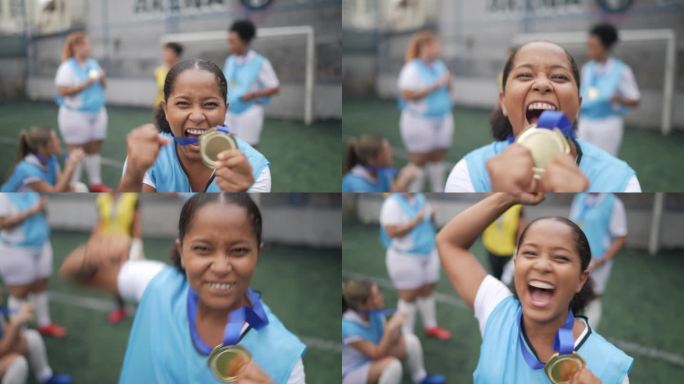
pixel 551 120
pixel 255 316
pixel 563 343
pixel 194 140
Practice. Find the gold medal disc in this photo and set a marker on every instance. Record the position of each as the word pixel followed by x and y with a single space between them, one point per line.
pixel 544 144
pixel 592 93
pixel 227 363
pixel 93 74
pixel 214 142
pixel 562 368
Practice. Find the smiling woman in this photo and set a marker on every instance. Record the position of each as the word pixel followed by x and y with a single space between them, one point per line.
pixel 202 309
pixel 538 77
pixel 533 327
pixel 195 94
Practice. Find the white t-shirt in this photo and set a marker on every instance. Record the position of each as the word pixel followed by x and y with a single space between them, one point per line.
pixel 352 357
pixel 392 214
pixel 66 77
pixel 267 77
pixel 134 277
pixel 492 292
pixel 459 180
pixel 618 218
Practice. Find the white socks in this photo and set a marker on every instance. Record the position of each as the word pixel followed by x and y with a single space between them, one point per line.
pixel 40 305
pixel 17 372
pixel 136 252
pixel 435 171
pixel 78 172
pixel 410 310
pixel 593 313
pixel 37 355
pixel 92 164
pixel 426 306
pixel 391 374
pixel 414 358
pixel 417 184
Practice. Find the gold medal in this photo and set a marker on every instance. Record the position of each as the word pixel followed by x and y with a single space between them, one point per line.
pixel 592 93
pixel 544 144
pixel 562 368
pixel 227 363
pixel 93 74
pixel 214 142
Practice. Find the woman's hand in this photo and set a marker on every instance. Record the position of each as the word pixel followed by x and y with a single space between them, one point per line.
pixel 563 175
pixel 23 315
pixel 39 207
pixel 252 374
pixel 585 376
pixel 512 170
pixel 406 176
pixel 528 198
pixel 75 157
pixel 233 172
pixel 143 146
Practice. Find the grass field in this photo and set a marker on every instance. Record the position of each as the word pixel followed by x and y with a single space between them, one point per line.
pixel 93 351
pixel 656 158
pixel 303 158
pixel 642 311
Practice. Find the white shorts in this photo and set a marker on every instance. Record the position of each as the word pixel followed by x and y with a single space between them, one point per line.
pixel 358 375
pixel 599 277
pixel 412 272
pixel 604 133
pixel 81 127
pixel 421 134
pixel 248 124
pixel 22 265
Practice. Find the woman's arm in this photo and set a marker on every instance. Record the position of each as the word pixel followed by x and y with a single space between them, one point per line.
pixel 401 230
pixel 454 240
pixel 12 329
pixel 7 222
pixel 65 91
pixel 390 337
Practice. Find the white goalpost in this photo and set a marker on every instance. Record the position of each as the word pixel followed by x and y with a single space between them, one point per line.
pixel 636 35
pixel 306 31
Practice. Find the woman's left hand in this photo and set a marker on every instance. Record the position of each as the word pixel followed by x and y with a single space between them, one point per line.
pixel 233 172
pixel 563 175
pixel 585 376
pixel 252 374
pixel 248 96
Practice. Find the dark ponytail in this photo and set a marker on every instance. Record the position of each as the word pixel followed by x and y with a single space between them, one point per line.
pixel 501 127
pixel 205 65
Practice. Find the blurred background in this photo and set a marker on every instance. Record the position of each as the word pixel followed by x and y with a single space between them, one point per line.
pixel 298 274
pixel 301 38
pixel 641 305
pixel 475 36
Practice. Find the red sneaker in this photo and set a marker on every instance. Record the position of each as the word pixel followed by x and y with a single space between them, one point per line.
pixel 117 315
pixel 53 330
pixel 100 188
pixel 438 333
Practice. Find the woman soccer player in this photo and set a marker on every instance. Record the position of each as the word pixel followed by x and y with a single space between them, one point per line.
pixel 26 256
pixel 373 346
pixel 194 101
pixel 609 90
pixel 427 125
pixel 368 167
pixel 172 54
pixel 37 168
pixel 537 77
pixel 204 300
pixel 408 233
pixel 82 114
pixel 549 286
pixel 251 83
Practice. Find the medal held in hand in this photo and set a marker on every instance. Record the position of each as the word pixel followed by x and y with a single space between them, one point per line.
pixel 228 362
pixel 547 139
pixel 215 141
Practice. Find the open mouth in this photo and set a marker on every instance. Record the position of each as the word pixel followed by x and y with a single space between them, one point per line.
pixel 219 286
pixel 535 109
pixel 540 292
pixel 194 132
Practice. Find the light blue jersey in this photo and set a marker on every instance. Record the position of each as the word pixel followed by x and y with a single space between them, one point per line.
pixel 594 219
pixel 598 90
pixel 160 348
pixel 241 78
pixel 355 329
pixel 29 170
pixel 501 359
pixel 30 233
pixel 605 172
pixel 93 98
pixel 422 236
pixel 358 180
pixel 439 101
pixel 168 175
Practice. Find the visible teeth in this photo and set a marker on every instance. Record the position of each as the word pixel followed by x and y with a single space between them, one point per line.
pixel 194 131
pixel 541 284
pixel 225 286
pixel 543 106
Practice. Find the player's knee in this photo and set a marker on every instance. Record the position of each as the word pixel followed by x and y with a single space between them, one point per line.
pixel 391 372
pixel 17 371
